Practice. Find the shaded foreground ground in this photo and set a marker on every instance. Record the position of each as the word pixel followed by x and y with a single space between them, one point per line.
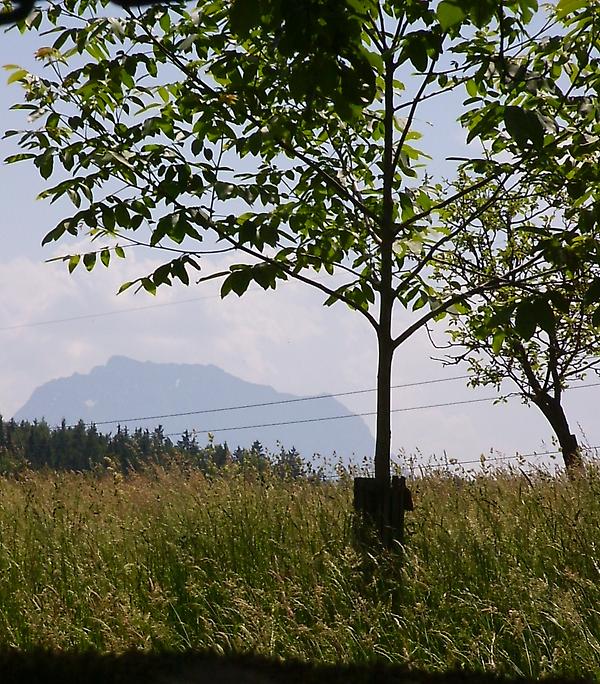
pixel 500 574
pixel 197 668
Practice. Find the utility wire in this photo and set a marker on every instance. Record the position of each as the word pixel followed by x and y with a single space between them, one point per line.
pixel 312 398
pixel 324 418
pixel 455 463
pixel 352 415
pixel 102 314
pixel 485 459
pixel 274 403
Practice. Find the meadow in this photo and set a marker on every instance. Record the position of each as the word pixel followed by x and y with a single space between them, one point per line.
pixel 500 571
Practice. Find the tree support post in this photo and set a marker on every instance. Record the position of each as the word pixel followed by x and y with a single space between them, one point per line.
pixel 381 506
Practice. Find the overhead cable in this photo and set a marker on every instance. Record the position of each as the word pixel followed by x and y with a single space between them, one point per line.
pixel 484 459
pixel 274 403
pixel 316 419
pixel 102 314
pixel 320 419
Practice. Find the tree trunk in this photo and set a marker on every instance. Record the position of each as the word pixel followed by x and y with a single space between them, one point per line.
pixel 376 500
pixel 385 346
pixel 383 435
pixel 554 413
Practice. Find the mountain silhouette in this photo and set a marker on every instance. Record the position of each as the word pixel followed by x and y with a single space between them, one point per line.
pixel 124 390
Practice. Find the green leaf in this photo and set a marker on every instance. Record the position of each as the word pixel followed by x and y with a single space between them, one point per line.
pixel 162 275
pixel 525 320
pixel 566 7
pixel 544 315
pixel 165 22
pixel 497 341
pixel 148 285
pixel 592 294
pixel 224 190
pixel 19 157
pixel 449 14
pixel 89 260
pixel 53 120
pixel 73 262
pixel 238 282
pixel 197 146
pixel 472 87
pixel 125 286
pixel 265 275
pixel 528 9
pixel 516 122
pixel 108 219
pixel 122 215
pixel 105 257
pixel 481 11
pixel 45 163
pixel 533 313
pixel 178 269
pixel 17 76
pixel 56 233
pixel 420 302
pixel 524 125
pixel 244 15
pixel 417 54
pixel 74 196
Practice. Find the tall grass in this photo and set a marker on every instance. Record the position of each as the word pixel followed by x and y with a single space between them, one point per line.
pixel 500 572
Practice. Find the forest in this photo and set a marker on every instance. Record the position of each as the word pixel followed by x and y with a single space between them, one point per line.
pixel 35 446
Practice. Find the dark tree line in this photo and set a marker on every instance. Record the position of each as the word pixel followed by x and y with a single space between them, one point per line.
pixel 37 446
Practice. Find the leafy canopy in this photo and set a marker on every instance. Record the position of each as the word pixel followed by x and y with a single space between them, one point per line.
pixel 285 133
pixel 542 341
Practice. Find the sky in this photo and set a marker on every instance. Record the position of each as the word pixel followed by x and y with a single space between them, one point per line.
pixel 285 339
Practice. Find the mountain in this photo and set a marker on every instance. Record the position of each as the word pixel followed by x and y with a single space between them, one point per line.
pixel 124 390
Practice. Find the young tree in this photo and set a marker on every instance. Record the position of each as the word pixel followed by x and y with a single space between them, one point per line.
pixel 283 134
pixel 544 342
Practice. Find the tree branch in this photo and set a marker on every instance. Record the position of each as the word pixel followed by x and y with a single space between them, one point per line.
pixel 411 115
pixel 491 284
pixel 424 261
pixel 304 279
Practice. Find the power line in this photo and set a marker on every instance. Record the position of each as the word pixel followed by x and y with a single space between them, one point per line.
pixel 273 403
pixel 103 314
pixel 455 463
pixel 587 384
pixel 325 418
pixel 316 419
pixel 485 459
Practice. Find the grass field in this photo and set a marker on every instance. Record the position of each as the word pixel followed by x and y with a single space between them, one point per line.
pixel 500 573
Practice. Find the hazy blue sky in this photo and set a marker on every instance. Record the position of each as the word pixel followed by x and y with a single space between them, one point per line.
pixel 285 339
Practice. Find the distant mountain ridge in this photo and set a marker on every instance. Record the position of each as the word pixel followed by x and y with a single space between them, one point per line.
pixel 125 389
